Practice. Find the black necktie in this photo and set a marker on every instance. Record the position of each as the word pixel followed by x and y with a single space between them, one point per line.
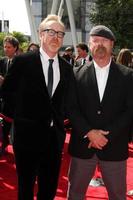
pixel 50 77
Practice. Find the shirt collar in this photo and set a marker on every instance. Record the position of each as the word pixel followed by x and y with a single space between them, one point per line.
pixel 46 57
pixel 106 67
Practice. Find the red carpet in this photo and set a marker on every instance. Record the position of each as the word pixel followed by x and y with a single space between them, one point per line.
pixel 8 179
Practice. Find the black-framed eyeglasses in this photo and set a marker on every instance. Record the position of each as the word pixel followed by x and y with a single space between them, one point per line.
pixel 52 32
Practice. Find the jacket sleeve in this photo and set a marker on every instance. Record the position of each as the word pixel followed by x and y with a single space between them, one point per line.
pixel 78 123
pixel 124 121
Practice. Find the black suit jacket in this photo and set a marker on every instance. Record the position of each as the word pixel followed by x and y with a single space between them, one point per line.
pixel 3 72
pixel 114 113
pixel 3 66
pixel 80 62
pixel 26 96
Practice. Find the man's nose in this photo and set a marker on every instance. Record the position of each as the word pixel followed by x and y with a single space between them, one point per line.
pixel 100 42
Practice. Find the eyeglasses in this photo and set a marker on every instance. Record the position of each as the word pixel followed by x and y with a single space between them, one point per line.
pixel 52 32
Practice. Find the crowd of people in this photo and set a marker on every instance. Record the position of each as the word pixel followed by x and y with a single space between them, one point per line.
pixel 41 88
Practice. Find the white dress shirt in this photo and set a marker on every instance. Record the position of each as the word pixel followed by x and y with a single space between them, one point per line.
pixel 101 76
pixel 56 71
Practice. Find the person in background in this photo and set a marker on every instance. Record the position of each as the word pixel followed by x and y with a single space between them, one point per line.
pixel 11 46
pixel 125 57
pixel 83 55
pixel 33 47
pixel 38 89
pixel 105 97
pixel 68 55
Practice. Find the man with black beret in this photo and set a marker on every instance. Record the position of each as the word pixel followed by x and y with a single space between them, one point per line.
pixel 105 99
pixel 102 31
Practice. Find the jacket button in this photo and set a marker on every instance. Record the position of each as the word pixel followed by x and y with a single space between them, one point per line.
pixel 99 112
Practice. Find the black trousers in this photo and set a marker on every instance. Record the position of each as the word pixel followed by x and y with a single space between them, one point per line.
pixel 43 166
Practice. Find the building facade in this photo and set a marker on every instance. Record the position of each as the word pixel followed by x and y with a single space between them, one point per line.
pixel 81 10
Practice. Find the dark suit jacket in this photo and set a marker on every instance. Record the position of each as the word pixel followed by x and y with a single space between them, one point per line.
pixel 3 72
pixel 114 113
pixel 80 62
pixel 26 96
pixel 3 66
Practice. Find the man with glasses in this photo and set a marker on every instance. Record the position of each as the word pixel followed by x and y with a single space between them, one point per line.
pixel 37 89
pixel 52 32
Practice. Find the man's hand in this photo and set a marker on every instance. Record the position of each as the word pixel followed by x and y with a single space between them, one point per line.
pixel 97 138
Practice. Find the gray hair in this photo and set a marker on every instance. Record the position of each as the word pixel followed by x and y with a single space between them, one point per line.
pixel 50 17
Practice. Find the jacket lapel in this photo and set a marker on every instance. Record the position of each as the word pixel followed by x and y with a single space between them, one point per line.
pixel 112 77
pixel 39 74
pixel 93 81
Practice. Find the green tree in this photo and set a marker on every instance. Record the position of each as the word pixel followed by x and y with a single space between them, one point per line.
pixel 20 36
pixel 23 40
pixel 2 35
pixel 118 16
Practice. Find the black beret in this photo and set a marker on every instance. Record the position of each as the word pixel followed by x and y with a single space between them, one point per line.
pixel 102 31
